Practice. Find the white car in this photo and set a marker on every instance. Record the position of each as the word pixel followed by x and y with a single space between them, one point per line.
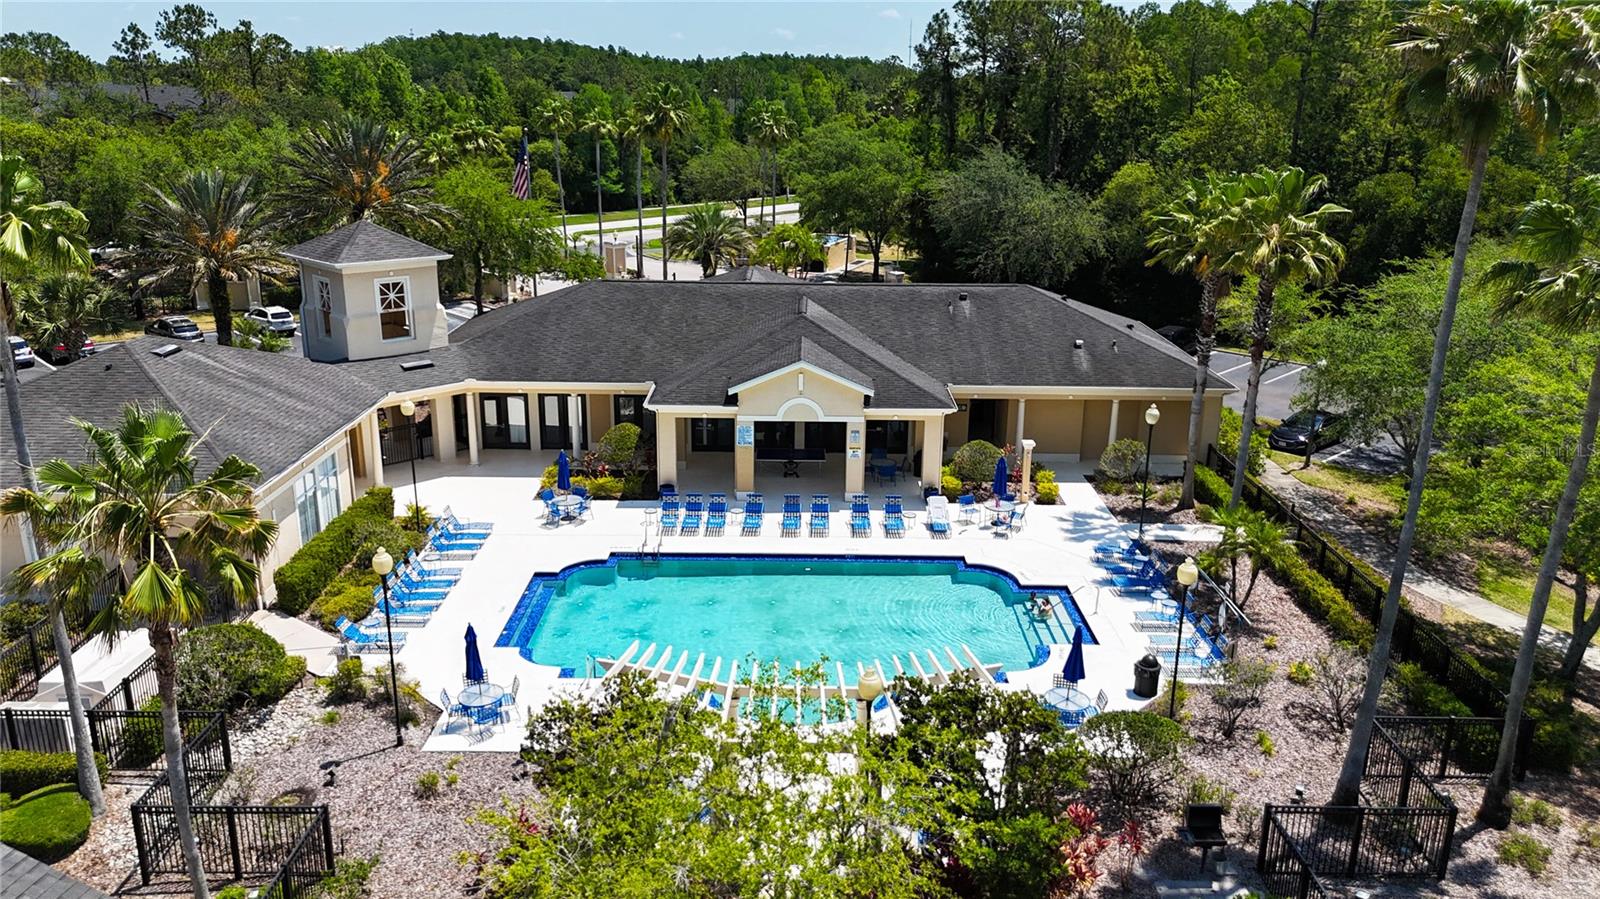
pixel 21 353
pixel 274 318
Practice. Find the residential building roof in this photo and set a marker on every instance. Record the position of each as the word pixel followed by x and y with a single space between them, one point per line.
pixel 268 408
pixel 694 340
pixel 757 273
pixel 362 242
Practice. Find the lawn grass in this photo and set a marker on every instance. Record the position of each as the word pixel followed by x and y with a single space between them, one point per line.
pixel 630 215
pixel 129 328
pixel 1510 585
pixel 1380 493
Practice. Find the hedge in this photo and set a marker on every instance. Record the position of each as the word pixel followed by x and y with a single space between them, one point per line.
pixel 22 771
pixel 309 571
pixel 234 666
pixel 48 823
pixel 609 487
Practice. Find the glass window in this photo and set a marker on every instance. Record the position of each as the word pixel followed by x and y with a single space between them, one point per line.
pixel 629 409
pixel 325 305
pixel 316 497
pixel 394 309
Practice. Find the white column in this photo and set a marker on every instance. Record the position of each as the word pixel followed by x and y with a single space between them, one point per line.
pixel 577 424
pixel 666 448
pixel 369 436
pixel 932 451
pixel 1022 412
pixel 474 432
pixel 533 420
pixel 444 428
pixel 1026 494
pixel 1111 435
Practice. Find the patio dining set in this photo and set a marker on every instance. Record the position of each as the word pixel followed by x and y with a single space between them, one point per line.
pixel 480 705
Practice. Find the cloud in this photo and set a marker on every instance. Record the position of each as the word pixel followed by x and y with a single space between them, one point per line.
pixel 785 33
pixel 890 13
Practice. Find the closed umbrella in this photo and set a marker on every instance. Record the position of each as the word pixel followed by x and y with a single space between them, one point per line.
pixel 1001 481
pixel 474 661
pixel 1072 672
pixel 563 472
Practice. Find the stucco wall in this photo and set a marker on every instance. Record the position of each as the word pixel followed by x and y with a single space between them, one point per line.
pixel 363 332
pixel 323 348
pixel 276 503
pixel 1055 425
pixel 836 400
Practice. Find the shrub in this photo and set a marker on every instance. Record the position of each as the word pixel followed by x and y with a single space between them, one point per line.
pixel 1269 642
pixel 330 717
pixel 1588 835
pixel 22 771
pixel 1528 812
pixel 974 462
pixel 600 488
pixel 1300 673
pixel 141 738
pixel 1422 694
pixel 1135 755
pixel 619 447
pixel 1045 490
pixel 17 616
pixel 1243 690
pixel 427 785
pixel 48 823
pixel 314 565
pixel 350 875
pixel 1340 676
pixel 1123 460
pixel 950 485
pixel 233 891
pixel 1525 851
pixel 633 487
pixel 1228 442
pixel 348 683
pixel 411 697
pixel 350 596
pixel 233 666
pixel 1265 744
pixel 1205 791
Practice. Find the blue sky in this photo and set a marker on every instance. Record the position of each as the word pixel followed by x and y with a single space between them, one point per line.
pixel 677 29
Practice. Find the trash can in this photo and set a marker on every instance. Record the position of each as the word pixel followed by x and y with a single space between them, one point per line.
pixel 1146 677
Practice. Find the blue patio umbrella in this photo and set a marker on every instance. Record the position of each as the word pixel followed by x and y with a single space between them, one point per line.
pixel 563 472
pixel 474 661
pixel 1072 672
pixel 1001 481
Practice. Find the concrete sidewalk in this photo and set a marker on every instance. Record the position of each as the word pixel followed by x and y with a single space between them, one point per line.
pixel 1373 549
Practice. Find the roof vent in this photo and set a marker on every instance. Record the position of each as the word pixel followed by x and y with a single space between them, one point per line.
pixel 950 306
pixel 1077 344
pixel 805 305
pixel 416 364
pixel 166 349
pixel 966 305
pixel 1113 346
pixel 1130 326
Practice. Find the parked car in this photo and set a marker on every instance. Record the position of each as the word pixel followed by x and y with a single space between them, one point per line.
pixel 176 327
pixel 273 318
pixel 1181 337
pixel 1323 427
pixel 21 353
pixel 58 354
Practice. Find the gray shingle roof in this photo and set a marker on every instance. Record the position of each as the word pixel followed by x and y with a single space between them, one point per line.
pixel 28 878
pixel 756 273
pixel 270 409
pixel 694 339
pixel 360 242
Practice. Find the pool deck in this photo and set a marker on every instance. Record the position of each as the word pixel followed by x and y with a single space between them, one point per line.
pixel 1055 548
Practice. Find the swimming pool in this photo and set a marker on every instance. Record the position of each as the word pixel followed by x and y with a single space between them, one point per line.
pixel 789 608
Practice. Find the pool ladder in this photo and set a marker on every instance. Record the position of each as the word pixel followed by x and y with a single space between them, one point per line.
pixel 646 554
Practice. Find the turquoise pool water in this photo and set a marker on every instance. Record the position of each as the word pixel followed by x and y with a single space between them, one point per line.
pixel 785 608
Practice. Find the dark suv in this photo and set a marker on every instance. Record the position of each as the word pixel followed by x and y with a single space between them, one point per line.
pixel 1323 428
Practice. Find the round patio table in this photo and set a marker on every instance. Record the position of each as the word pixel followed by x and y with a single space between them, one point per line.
pixel 999 507
pixel 568 504
pixel 481 695
pixel 1067 699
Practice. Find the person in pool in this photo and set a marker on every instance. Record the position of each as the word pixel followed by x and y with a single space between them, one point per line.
pixel 1042 606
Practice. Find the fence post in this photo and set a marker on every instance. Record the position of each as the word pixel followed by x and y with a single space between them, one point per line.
pixel 127 694
pixel 1449 743
pixel 1405 779
pixel 227 748
pixel 1441 858
pixel 1266 828
pixel 327 837
pixel 1353 862
pixel 33 653
pixel 11 731
pixel 233 843
pixel 142 844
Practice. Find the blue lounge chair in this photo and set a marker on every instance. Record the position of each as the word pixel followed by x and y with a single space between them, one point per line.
pixel 693 509
pixel 968 507
pixel 754 505
pixel 894 518
pixel 938 516
pixel 458 526
pixel 820 513
pixel 361 641
pixel 411 567
pixel 860 516
pixel 790 523
pixel 399 616
pixel 717 513
pixel 669 513
pixel 403 603
pixel 1148 577
pixel 407 580
pixel 415 561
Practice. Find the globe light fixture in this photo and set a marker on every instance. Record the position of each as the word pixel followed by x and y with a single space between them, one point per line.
pixel 382 564
pixel 1151 416
pixel 870 687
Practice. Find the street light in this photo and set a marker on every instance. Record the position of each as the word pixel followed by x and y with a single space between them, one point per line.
pixel 870 687
pixel 382 564
pixel 409 410
pixel 1188 573
pixel 1151 416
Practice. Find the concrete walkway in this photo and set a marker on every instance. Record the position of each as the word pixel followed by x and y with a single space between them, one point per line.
pixel 1375 550
pixel 319 648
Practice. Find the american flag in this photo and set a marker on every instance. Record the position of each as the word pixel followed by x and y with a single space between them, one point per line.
pixel 519 181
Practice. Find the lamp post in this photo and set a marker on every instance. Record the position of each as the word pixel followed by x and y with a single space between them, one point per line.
pixel 382 564
pixel 1151 416
pixel 1233 579
pixel 1188 573
pixel 870 687
pixel 409 410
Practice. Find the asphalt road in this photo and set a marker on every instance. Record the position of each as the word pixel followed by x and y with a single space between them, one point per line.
pixel 1280 381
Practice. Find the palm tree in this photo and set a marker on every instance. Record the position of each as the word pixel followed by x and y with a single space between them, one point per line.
pixel 599 127
pixel 204 227
pixel 1185 238
pixel 555 117
pixel 355 168
pixel 1472 68
pixel 477 138
pixel 61 309
pixel 789 247
pixel 39 235
pixel 1276 236
pixel 635 127
pixel 135 516
pixel 771 125
pixel 1557 279
pixel 708 237
pixel 668 115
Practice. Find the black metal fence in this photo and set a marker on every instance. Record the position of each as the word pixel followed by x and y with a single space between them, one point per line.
pixel 1415 639
pixel 1284 871
pixel 309 862
pixel 26 659
pixel 130 741
pixel 133 690
pixel 1359 840
pixel 1451 749
pixel 1393 779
